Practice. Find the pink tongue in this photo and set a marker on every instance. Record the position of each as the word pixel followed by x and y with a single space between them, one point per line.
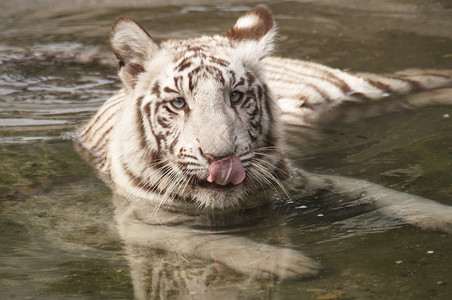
pixel 226 170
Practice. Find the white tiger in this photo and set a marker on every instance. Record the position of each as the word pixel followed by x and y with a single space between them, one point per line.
pixel 198 127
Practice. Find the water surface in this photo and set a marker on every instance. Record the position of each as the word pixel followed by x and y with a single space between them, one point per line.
pixel 58 236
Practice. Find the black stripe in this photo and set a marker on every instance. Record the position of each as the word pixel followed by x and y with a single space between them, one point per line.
pixel 140 124
pixel 102 141
pixel 100 114
pixel 170 90
pixel 218 61
pixel 147 112
pixel 325 75
pixel 156 89
pixel 240 83
pixel 378 84
pixel 100 127
pixel 250 77
pixel 184 64
pixel 415 85
pixel 142 183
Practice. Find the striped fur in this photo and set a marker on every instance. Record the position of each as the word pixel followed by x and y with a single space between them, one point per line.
pixel 152 149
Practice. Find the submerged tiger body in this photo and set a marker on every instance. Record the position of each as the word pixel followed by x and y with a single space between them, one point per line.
pixel 199 122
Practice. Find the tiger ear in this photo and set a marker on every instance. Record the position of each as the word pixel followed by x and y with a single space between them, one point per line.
pixel 256 31
pixel 132 46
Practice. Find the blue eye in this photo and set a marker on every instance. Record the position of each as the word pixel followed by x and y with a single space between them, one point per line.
pixel 235 96
pixel 178 103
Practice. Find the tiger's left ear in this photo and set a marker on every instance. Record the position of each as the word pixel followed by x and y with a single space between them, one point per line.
pixel 255 31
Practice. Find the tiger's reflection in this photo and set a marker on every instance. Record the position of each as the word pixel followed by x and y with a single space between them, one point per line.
pixel 173 254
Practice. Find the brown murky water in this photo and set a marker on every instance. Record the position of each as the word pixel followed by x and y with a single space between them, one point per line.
pixel 58 238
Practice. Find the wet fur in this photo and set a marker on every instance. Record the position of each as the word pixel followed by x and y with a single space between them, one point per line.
pixel 152 153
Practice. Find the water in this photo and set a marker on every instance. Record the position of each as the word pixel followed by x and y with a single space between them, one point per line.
pixel 58 236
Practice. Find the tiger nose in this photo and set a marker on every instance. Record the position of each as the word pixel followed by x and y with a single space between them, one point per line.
pixel 212 157
pixel 216 148
pixel 216 137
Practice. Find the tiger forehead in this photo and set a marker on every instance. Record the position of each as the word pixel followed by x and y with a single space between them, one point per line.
pixel 202 61
pixel 203 43
pixel 204 49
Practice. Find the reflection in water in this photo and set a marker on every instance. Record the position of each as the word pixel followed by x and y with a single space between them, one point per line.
pixel 185 254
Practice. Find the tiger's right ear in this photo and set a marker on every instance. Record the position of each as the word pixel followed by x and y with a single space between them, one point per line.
pixel 132 46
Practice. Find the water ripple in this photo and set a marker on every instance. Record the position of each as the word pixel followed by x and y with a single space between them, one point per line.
pixel 36 93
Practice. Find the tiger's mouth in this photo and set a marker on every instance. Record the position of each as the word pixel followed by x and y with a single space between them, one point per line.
pixel 223 174
pixel 214 186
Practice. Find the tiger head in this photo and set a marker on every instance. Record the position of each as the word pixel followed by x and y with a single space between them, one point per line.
pixel 199 123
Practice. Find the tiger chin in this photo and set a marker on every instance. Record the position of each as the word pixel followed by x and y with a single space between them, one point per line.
pixel 198 126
